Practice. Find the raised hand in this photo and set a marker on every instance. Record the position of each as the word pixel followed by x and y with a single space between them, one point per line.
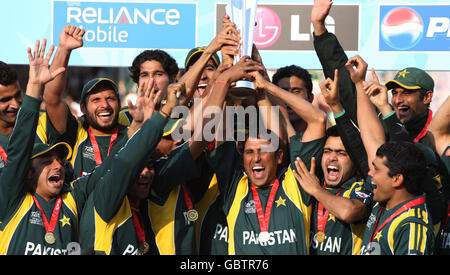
pixel 357 68
pixel 145 103
pixel 378 94
pixel 307 179
pixel 241 70
pixel 330 90
pixel 319 12
pixel 39 71
pixel 71 37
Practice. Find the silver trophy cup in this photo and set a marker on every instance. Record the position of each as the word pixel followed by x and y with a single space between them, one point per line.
pixel 243 14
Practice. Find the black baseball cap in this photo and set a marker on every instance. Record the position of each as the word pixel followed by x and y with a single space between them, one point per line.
pixel 91 84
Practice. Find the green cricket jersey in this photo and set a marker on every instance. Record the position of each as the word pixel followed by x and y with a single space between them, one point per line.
pixel 409 232
pixel 443 242
pixel 21 225
pixel 83 159
pixel 289 223
pixel 341 238
pixel 107 225
pixel 175 234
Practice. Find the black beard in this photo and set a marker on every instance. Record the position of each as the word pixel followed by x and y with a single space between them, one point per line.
pixel 93 123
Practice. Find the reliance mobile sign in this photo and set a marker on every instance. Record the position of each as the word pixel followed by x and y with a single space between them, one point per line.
pixel 135 25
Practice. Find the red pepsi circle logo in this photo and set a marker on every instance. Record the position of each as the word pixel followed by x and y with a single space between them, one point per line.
pixel 402 28
pixel 268 28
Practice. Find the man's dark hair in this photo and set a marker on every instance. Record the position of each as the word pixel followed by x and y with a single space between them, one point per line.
pixel 297 71
pixel 169 63
pixel 407 159
pixel 332 132
pixel 8 75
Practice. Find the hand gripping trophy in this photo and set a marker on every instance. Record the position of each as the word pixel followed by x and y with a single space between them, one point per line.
pixel 243 14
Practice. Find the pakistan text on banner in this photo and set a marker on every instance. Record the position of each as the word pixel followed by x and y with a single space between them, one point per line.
pixel 287 27
pixel 140 25
pixel 414 28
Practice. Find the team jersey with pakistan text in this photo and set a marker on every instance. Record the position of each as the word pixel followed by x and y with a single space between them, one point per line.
pixel 289 224
pixel 410 232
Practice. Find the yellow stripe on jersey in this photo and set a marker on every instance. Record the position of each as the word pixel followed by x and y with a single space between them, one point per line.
pixel 163 222
pixel 69 201
pixel 357 229
pixel 82 135
pixel 292 190
pixel 203 205
pixel 104 231
pixel 123 118
pixel 417 234
pixel 10 229
pixel 241 193
pixel 41 129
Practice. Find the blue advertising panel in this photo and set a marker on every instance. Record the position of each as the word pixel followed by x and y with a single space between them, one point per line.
pixel 129 25
pixel 389 35
pixel 415 28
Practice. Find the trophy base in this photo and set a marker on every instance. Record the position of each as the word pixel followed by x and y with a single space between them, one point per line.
pixel 241 92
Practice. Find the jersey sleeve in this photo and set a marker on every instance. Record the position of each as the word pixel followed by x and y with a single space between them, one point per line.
pixel 332 56
pixel 14 175
pixel 178 168
pixel 48 134
pixel 124 167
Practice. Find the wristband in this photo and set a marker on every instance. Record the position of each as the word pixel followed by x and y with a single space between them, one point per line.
pixel 340 114
pixel 390 114
pixel 164 113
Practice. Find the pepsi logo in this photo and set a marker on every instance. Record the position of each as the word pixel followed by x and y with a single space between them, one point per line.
pixel 402 28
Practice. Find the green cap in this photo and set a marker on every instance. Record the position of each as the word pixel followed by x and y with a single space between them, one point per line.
pixel 64 150
pixel 91 84
pixel 199 51
pixel 411 78
pixel 171 125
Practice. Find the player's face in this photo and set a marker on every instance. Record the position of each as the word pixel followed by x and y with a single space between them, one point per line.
pixel 336 164
pixel 407 103
pixel 381 179
pixel 141 188
pixel 10 101
pixel 154 69
pixel 206 76
pixel 102 110
pixel 260 166
pixel 296 86
pixel 49 174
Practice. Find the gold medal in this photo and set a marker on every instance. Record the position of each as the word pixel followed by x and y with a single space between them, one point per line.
pixel 320 236
pixel 143 247
pixel 50 238
pixel 192 215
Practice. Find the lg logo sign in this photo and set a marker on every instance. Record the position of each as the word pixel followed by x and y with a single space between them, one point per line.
pixel 288 27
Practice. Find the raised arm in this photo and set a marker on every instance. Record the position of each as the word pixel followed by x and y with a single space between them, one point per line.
pixel 440 128
pixel 372 132
pixel 332 56
pixel 14 175
pixel 227 37
pixel 314 117
pixel 70 38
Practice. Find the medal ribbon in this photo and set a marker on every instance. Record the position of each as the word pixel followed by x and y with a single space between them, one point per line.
pixel 3 154
pixel 425 128
pixel 50 227
pixel 139 228
pixel 97 154
pixel 398 212
pixel 187 199
pixel 322 218
pixel 264 218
